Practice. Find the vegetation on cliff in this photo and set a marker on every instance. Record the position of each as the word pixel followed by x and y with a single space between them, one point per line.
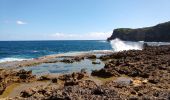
pixel 158 33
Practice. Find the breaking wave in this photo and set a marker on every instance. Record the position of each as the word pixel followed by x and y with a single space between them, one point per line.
pixel 11 59
pixel 119 45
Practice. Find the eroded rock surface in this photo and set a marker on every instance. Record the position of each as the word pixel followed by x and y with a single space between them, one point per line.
pixel 7 77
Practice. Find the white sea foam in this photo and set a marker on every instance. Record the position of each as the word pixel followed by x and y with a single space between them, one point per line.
pixel 73 53
pixel 119 45
pixel 11 59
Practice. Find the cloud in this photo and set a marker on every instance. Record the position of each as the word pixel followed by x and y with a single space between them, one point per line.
pixel 85 36
pixel 19 22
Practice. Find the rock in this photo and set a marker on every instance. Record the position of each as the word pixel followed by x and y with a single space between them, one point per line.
pixel 98 91
pixel 123 80
pixel 104 73
pixel 95 62
pixel 2 87
pixel 54 80
pixel 154 81
pixel 27 93
pixel 143 79
pixel 158 33
pixel 73 76
pixel 78 59
pixel 137 82
pixel 67 61
pixel 71 83
pixel 91 57
pixel 8 77
pixel 44 78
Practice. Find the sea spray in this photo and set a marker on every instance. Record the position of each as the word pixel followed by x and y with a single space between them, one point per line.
pixel 119 45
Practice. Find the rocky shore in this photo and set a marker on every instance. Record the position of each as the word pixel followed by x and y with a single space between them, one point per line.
pixel 127 75
pixel 157 33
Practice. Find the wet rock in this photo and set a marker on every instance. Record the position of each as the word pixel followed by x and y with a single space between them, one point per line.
pixel 78 59
pixel 67 61
pixel 91 57
pixel 143 79
pixel 95 62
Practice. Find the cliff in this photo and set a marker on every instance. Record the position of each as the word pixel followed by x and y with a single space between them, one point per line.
pixel 158 33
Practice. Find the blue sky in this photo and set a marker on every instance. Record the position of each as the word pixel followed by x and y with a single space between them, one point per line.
pixel 76 19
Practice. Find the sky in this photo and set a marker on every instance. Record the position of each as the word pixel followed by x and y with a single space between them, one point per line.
pixel 77 19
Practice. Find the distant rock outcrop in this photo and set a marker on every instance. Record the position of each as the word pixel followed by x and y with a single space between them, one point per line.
pixel 158 33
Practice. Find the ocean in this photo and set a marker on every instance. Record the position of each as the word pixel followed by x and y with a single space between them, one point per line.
pixel 22 50
pixel 25 50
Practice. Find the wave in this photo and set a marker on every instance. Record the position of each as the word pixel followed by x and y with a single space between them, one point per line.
pixel 119 45
pixel 11 59
pixel 103 41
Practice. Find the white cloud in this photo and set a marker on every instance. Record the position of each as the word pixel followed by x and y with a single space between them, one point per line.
pixel 19 22
pixel 86 36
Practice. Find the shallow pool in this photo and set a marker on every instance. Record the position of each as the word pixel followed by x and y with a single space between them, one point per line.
pixel 60 67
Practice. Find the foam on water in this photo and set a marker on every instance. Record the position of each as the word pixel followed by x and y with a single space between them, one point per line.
pixel 119 45
pixel 11 59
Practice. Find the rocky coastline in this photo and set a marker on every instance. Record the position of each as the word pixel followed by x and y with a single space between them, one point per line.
pixel 127 75
pixel 158 33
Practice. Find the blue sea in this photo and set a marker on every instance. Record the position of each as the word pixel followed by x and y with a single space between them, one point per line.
pixel 21 50
pixel 25 50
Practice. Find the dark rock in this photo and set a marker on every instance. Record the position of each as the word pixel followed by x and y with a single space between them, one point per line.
pixel 43 78
pixel 77 59
pixel 67 61
pixel 160 33
pixel 154 81
pixel 54 80
pixel 27 93
pixel 95 62
pixel 91 57
pixel 98 91
pixel 103 73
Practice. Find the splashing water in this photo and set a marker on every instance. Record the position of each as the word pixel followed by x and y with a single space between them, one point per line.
pixel 119 45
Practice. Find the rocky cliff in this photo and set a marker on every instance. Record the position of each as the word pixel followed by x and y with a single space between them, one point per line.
pixel 158 33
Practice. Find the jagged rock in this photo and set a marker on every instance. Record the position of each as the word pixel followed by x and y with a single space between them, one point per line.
pixel 7 77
